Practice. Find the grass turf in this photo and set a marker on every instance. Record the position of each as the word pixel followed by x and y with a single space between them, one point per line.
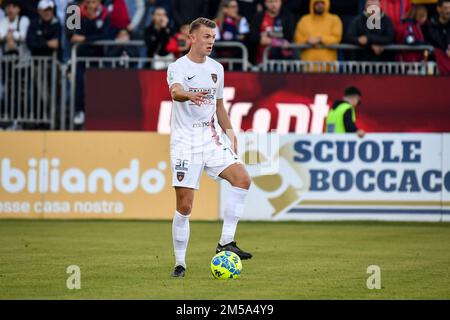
pixel 292 260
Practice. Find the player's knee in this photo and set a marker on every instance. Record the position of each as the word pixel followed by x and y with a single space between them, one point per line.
pixel 185 208
pixel 243 182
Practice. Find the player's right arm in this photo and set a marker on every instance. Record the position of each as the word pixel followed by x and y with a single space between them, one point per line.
pixel 179 94
pixel 175 79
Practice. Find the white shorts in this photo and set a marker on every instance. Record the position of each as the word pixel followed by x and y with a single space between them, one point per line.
pixel 187 167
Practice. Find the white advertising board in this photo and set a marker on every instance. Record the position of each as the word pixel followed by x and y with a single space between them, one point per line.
pixel 392 177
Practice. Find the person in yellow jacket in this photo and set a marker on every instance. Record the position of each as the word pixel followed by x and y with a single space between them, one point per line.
pixel 317 28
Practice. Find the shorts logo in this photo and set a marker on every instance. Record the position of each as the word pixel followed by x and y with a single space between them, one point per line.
pixel 214 77
pixel 180 176
pixel 181 165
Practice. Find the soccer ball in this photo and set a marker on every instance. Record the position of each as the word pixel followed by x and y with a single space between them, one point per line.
pixel 226 265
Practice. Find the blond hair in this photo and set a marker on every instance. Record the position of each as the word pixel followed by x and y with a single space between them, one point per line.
pixel 197 23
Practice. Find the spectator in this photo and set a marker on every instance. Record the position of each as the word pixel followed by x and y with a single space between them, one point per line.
pixel 43 39
pixel 410 33
pixel 188 10
pixel 157 37
pixel 437 33
pixel 13 29
pixel 146 20
pixel 94 26
pixel 44 33
pixel 396 10
pixel 230 25
pixel 2 13
pixel 120 30
pixel 149 8
pixel 136 10
pixel 119 19
pixel 180 43
pixel 342 115
pixel 371 40
pixel 60 13
pixel 319 28
pixel 274 26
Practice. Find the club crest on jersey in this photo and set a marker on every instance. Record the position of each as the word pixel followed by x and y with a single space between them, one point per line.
pixel 214 77
pixel 180 176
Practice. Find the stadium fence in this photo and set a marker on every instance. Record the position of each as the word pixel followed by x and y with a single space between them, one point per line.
pixel 40 91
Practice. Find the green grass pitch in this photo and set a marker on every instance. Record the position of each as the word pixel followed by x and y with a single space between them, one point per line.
pixel 292 260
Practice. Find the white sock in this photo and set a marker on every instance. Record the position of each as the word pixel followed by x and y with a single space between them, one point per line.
pixel 180 235
pixel 233 211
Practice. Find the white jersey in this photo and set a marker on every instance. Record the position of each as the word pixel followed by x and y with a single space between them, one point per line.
pixel 195 126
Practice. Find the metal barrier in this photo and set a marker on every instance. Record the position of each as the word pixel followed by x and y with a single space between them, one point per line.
pixel 353 67
pixel 243 60
pixel 28 90
pixel 113 62
pixel 350 67
pixel 37 90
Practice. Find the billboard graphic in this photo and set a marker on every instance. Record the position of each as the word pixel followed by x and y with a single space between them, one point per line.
pixel 337 177
pixel 266 102
pixel 92 175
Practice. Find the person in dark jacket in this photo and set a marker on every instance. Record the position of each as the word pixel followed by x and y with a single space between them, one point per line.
pixel 94 27
pixel 43 40
pixel 371 39
pixel 44 33
pixel 437 33
pixel 157 35
pixel 273 26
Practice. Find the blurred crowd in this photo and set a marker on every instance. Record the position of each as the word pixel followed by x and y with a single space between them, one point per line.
pixel 41 27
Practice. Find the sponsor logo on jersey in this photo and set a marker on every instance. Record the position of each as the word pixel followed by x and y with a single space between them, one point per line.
pixel 209 98
pixel 201 124
pixel 211 91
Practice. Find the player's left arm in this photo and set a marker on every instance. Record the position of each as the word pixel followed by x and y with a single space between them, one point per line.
pixel 225 123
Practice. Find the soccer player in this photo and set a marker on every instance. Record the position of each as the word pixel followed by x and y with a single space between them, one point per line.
pixel 196 85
